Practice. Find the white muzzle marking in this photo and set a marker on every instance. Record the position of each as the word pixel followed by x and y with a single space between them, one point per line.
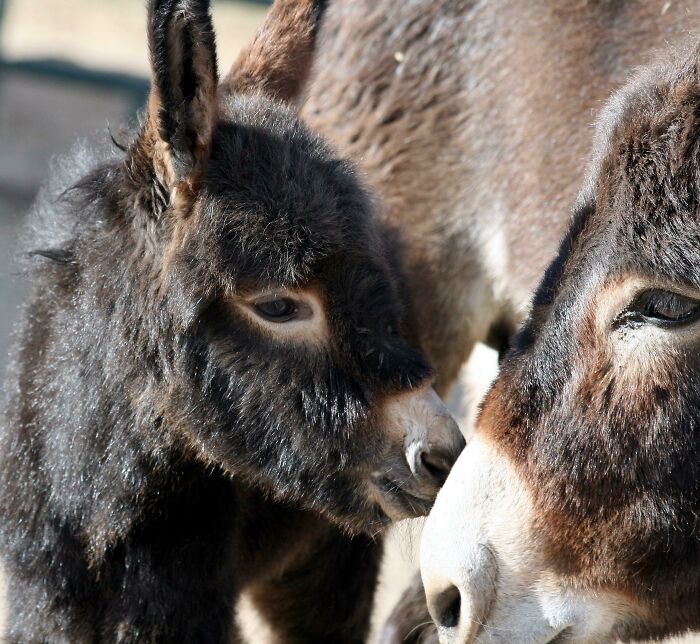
pixel 479 545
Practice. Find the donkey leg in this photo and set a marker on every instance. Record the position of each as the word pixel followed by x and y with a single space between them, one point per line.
pixel 326 595
pixel 409 621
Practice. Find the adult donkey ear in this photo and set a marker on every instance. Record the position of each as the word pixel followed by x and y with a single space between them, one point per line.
pixel 182 107
pixel 278 61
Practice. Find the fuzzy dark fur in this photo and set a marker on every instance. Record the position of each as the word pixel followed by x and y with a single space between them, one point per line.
pixel 410 622
pixel 161 453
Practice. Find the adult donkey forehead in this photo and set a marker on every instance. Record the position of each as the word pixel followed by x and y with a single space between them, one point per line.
pixel 580 491
pixel 636 209
pixel 641 194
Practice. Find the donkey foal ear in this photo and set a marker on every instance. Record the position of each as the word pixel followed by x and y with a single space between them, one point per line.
pixel 279 59
pixel 183 102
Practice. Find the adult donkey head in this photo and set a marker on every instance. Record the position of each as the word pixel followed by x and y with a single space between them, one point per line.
pixel 573 514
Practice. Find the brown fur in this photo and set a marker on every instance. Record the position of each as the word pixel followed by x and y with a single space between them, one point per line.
pixel 472 120
pixel 597 405
pixel 280 56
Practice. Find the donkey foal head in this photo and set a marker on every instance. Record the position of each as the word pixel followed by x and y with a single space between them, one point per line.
pixel 255 288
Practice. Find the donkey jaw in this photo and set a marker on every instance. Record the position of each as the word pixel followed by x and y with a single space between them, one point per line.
pixel 483 564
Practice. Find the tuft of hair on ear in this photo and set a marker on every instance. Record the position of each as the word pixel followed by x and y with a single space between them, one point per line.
pixel 279 59
pixel 175 140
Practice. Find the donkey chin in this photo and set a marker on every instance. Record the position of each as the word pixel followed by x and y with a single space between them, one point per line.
pixel 426 442
pixel 485 573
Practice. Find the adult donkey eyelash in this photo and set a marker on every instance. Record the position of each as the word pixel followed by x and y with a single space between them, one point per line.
pixel 660 308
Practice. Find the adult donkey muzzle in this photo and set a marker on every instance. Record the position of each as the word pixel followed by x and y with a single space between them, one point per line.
pixel 486 577
pixel 427 443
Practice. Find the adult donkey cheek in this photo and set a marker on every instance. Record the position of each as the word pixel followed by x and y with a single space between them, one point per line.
pixel 484 565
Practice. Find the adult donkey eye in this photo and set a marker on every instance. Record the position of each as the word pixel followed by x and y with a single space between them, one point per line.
pixel 278 310
pixel 665 307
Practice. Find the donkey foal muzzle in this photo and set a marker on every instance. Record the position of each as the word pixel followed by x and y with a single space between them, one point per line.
pixel 431 442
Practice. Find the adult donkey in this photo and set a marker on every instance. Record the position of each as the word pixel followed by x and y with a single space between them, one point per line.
pixel 472 121
pixel 575 514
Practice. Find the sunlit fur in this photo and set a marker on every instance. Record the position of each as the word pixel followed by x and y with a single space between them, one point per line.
pixel 473 122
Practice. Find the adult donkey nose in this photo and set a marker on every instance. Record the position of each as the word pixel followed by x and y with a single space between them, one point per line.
pixel 460 596
pixel 432 442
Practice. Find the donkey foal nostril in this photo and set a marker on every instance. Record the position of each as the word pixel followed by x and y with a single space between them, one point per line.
pixel 436 466
pixel 449 606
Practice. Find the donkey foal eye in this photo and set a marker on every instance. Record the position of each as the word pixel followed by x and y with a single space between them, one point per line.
pixel 278 310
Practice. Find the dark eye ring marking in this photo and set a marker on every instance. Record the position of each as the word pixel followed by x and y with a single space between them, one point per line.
pixel 662 308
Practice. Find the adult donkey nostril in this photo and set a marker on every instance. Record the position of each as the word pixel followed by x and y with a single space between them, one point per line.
pixel 447 608
pixel 460 583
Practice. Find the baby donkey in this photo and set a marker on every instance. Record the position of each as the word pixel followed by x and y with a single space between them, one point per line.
pixel 216 386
